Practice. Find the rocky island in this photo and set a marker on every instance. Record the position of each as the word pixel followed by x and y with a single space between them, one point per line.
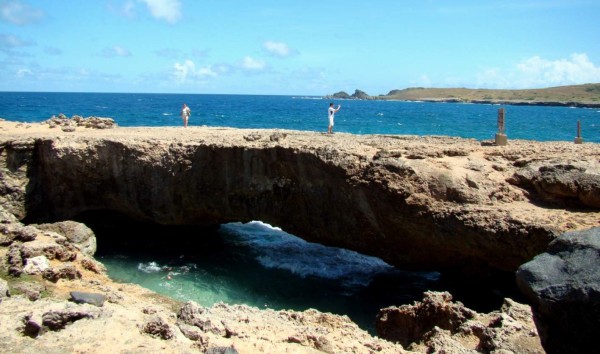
pixel 587 95
pixel 427 203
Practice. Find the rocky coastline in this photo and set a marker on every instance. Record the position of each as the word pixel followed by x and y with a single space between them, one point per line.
pixel 393 95
pixel 420 202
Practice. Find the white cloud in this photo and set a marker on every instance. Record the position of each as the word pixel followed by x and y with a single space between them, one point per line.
pixel 18 13
pixel 116 51
pixel 10 41
pixel 250 63
pixel 168 10
pixel 539 72
pixel 279 49
pixel 187 71
pixel 24 72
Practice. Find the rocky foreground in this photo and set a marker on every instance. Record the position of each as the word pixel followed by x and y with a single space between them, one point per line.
pixel 423 202
pixel 55 298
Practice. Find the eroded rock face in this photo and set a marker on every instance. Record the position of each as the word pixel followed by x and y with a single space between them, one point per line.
pixel 408 324
pixel 75 232
pixel 564 286
pixel 420 202
pixel 561 184
pixel 438 325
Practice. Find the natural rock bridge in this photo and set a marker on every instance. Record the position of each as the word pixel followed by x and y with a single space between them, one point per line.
pixel 419 202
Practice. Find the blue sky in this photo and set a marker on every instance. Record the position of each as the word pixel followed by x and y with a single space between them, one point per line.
pixel 295 47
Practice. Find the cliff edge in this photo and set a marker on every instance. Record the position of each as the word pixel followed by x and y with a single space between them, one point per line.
pixel 438 203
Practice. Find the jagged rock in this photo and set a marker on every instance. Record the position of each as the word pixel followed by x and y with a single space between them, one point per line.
pixel 69 125
pixel 65 272
pixel 561 184
pixel 7 217
pixel 4 289
pixel 341 94
pixel 16 232
pixel 57 320
pixel 157 327
pixel 14 260
pixel 36 265
pixel 252 137
pixel 32 327
pixel 361 95
pixel 564 286
pixel 277 136
pixel 191 332
pixel 190 313
pixel 408 323
pixel 87 298
pixel 93 265
pixel 76 232
pixel 49 249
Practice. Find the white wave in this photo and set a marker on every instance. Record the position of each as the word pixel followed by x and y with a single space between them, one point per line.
pixel 278 249
pixel 150 267
pixel 307 98
pixel 167 114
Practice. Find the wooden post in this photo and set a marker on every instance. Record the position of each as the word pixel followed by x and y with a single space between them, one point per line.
pixel 578 138
pixel 501 138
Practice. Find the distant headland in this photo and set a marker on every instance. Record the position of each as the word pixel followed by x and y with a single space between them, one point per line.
pixel 587 95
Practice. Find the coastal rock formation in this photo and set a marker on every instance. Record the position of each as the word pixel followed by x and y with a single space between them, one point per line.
pixel 69 124
pixel 90 313
pixel 564 287
pixel 436 203
pixel 423 202
pixel 357 95
pixel 565 185
pixel 439 325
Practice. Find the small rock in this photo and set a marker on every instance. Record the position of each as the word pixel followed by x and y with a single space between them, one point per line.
pixel 157 327
pixel 4 289
pixel 36 265
pixel 277 136
pixel 66 272
pixel 252 137
pixel 57 320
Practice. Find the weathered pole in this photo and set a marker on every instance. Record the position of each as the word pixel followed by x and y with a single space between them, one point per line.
pixel 501 138
pixel 578 138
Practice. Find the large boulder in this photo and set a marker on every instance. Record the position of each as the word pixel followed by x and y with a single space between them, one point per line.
pixel 76 232
pixel 561 184
pixel 564 287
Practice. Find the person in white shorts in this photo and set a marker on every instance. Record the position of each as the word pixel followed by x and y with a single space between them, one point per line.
pixel 332 112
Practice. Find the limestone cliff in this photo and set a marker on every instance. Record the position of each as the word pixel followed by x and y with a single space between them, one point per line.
pixel 423 202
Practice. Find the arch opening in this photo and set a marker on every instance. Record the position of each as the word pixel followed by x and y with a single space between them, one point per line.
pixel 260 265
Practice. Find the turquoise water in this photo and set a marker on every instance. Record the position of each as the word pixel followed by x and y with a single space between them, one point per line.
pixel 263 266
pixel 309 113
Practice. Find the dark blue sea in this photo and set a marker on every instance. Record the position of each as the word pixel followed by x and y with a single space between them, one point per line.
pixel 309 113
pixel 263 266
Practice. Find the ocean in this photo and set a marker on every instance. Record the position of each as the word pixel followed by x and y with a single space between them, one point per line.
pixel 260 265
pixel 478 121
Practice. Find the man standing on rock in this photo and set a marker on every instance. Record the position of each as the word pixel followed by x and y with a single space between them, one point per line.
pixel 332 112
pixel 185 114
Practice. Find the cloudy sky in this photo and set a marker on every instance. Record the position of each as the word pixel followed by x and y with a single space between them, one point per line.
pixel 295 47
